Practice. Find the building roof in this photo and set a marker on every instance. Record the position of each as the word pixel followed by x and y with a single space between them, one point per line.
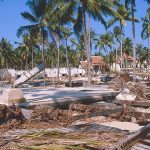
pixel 95 60
pixel 127 57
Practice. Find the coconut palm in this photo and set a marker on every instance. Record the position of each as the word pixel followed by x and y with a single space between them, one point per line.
pixel 120 8
pixel 79 45
pixel 116 33
pixel 7 51
pixel 127 46
pixel 37 18
pixel 95 9
pixel 45 18
pixel 105 41
pixel 145 34
pixel 132 3
pixel 142 54
pixel 66 34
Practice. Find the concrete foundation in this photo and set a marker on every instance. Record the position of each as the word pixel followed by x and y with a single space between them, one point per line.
pixel 12 96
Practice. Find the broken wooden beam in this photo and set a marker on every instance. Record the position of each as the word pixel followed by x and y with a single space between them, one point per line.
pixel 130 140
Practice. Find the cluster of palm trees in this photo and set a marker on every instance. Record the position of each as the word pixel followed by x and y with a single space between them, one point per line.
pixel 59 33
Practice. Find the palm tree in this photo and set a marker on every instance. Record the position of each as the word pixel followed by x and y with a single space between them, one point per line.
pixel 66 34
pixel 32 37
pixel 37 18
pixel 142 54
pixel 95 9
pixel 145 34
pixel 116 33
pixel 105 40
pixel 78 44
pixel 7 52
pixel 122 21
pixel 127 3
pixel 45 18
pixel 127 48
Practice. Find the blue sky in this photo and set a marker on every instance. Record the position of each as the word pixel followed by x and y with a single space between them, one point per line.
pixel 11 20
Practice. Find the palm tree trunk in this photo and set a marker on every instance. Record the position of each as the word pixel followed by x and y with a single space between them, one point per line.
pixel 148 52
pixel 107 53
pixel 58 59
pixel 43 54
pixel 116 59
pixel 87 43
pixel 121 47
pixel 89 52
pixel 134 43
pixel 26 65
pixel 116 55
pixel 67 62
pixel 32 58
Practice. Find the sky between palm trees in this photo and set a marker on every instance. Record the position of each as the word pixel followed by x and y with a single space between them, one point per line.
pixel 11 20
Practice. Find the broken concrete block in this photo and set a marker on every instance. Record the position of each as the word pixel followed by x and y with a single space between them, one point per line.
pixel 12 96
pixel 126 95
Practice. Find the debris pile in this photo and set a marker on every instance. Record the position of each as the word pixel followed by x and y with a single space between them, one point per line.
pixel 124 81
pixel 10 116
pixel 59 117
pixel 127 115
pixel 120 81
pixel 138 89
pixel 54 116
pixel 83 109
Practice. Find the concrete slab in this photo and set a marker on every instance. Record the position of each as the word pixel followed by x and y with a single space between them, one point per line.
pixel 53 95
pixel 129 126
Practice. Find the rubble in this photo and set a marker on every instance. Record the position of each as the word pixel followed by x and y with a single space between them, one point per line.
pixel 138 89
pixel 54 116
pixel 98 115
pixel 126 95
pixel 120 81
pixel 10 117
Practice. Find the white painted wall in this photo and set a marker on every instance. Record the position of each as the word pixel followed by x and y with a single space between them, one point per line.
pixel 74 71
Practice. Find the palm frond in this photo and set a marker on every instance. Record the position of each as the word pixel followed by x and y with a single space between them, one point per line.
pixel 25 29
pixel 78 26
pixel 28 16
